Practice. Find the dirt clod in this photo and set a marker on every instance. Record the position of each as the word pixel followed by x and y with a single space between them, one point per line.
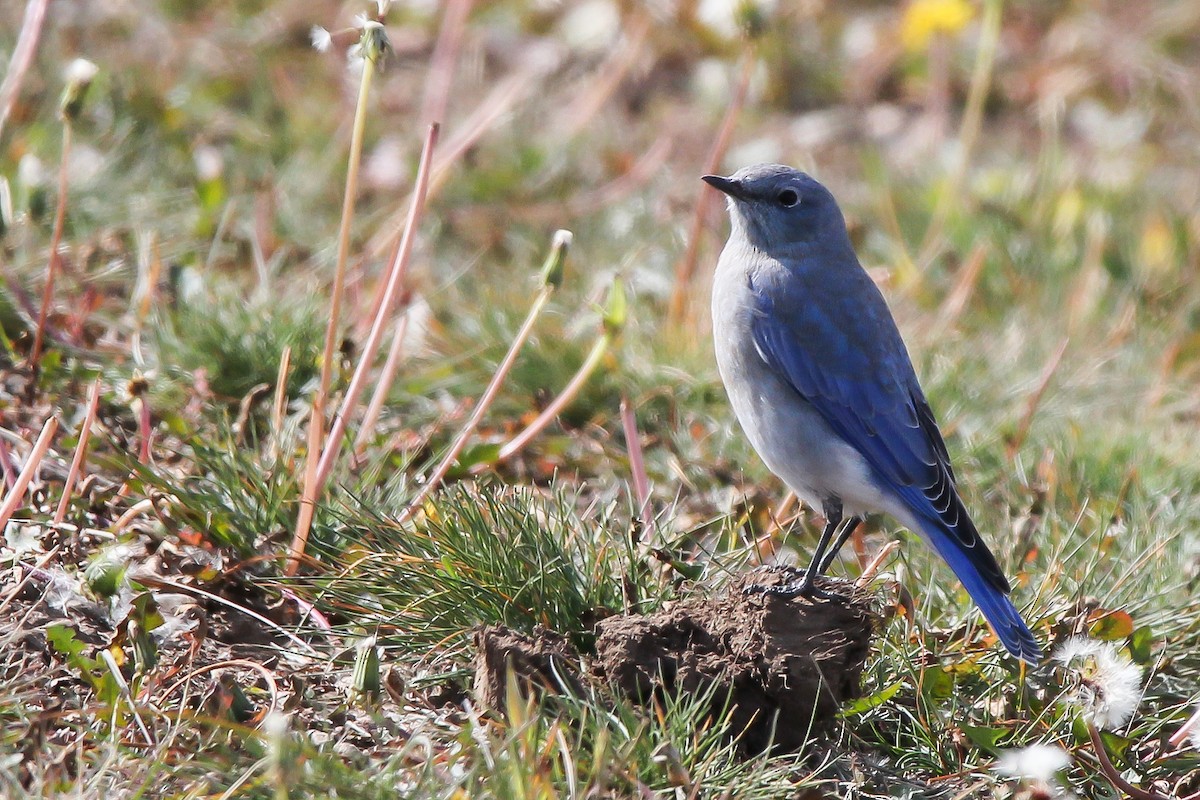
pixel 543 660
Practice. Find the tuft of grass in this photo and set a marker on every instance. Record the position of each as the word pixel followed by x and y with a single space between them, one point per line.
pixel 238 343
pixel 485 554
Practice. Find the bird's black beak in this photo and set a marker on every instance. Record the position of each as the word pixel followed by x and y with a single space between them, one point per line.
pixel 727 185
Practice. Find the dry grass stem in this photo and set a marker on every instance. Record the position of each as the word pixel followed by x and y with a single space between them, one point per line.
pixel 498 103
pixel 579 113
pixel 440 77
pixel 981 83
pixel 279 403
pixel 685 269
pixel 964 288
pixel 875 564
pixel 1035 399
pixel 123 686
pixel 637 468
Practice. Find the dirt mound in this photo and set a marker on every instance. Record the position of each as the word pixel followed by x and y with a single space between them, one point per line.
pixel 784 664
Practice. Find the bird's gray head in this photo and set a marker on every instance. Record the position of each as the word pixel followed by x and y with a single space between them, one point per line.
pixel 777 207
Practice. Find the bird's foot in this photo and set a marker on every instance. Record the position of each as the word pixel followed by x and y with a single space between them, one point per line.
pixel 800 587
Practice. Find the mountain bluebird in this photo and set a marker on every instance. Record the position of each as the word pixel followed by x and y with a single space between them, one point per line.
pixel 820 380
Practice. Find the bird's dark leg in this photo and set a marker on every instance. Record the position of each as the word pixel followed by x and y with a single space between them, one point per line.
pixel 833 518
pixel 847 529
pixel 806 587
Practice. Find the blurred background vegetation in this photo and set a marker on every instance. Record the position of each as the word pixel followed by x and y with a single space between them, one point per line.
pixel 1020 177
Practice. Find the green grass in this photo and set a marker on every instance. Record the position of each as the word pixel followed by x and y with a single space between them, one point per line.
pixel 1090 496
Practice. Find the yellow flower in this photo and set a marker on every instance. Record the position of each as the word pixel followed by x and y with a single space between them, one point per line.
pixel 1156 250
pixel 925 18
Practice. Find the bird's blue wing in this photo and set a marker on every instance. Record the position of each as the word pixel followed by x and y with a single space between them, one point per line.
pixel 839 348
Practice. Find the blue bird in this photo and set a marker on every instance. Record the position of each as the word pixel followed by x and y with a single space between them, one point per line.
pixel 823 386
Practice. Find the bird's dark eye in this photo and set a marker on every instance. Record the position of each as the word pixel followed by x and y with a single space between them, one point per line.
pixel 788 198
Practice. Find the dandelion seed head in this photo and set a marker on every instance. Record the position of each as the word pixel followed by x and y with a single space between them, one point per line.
pixel 1104 683
pixel 80 71
pixel 275 723
pixel 355 61
pixel 1038 762
pixel 321 39
pixel 208 162
pixel 31 173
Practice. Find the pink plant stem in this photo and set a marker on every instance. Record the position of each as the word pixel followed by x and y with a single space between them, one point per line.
pixel 145 430
pixel 1112 773
pixel 379 396
pixel 481 407
pixel 637 467
pixel 10 477
pixel 22 57
pixel 17 493
pixel 441 64
pixel 557 405
pixel 395 281
pixel 85 433
pixel 60 217
pixel 1185 730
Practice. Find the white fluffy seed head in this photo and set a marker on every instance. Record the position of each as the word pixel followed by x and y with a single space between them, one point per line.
pixel 321 39
pixel 1103 682
pixel 1040 763
pixel 80 71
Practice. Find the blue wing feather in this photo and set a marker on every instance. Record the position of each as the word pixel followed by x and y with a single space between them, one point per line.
pixel 864 386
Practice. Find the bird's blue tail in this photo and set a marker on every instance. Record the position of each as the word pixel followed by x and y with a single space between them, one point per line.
pixel 1001 614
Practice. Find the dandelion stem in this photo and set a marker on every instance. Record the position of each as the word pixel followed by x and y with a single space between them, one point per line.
pixel 395 281
pixel 1112 773
pixel 559 403
pixel 316 425
pixel 17 493
pixel 551 279
pixel 85 433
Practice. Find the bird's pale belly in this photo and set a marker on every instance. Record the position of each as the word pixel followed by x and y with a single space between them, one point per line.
pixel 798 446
pixel 789 435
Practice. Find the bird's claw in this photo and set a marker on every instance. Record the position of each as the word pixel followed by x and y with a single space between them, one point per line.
pixel 800 587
